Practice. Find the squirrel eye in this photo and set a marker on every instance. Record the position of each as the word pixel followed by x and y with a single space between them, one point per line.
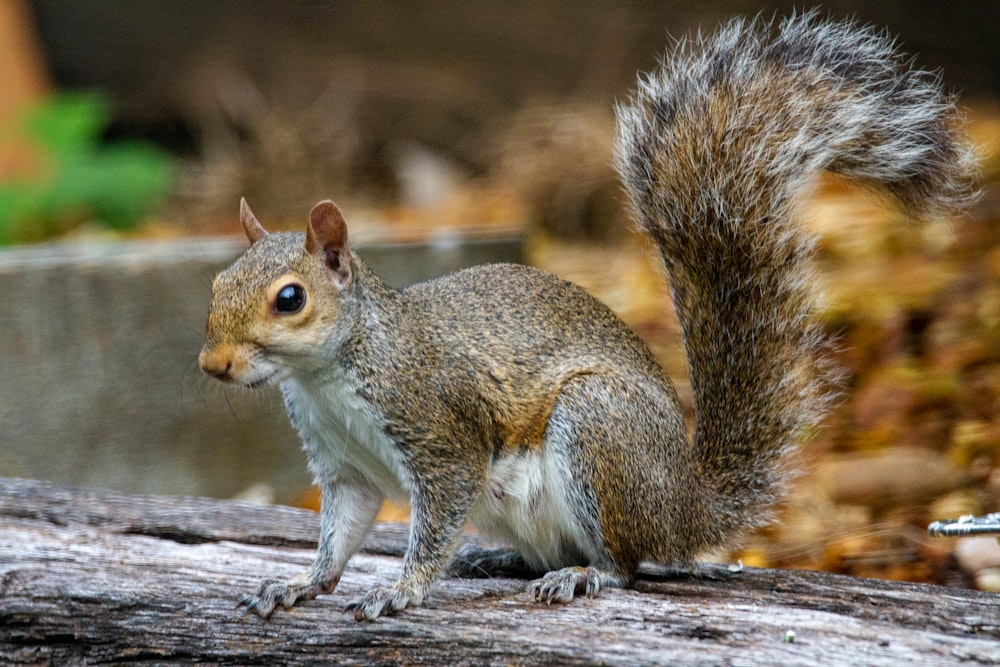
pixel 290 299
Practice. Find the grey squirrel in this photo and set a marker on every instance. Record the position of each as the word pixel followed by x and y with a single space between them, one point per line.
pixel 505 397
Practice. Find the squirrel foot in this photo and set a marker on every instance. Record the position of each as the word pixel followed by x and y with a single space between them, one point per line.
pixel 383 601
pixel 285 593
pixel 562 585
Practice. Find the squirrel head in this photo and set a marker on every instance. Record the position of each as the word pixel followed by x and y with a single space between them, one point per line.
pixel 278 304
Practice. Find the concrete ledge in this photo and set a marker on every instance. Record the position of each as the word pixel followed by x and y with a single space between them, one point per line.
pixel 99 383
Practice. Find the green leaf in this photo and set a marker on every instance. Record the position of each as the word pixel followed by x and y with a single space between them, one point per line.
pixel 82 179
pixel 68 124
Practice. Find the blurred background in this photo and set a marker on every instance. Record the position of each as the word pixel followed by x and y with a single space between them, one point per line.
pixel 450 133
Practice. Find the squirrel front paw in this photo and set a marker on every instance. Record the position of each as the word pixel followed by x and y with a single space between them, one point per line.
pixel 272 593
pixel 383 601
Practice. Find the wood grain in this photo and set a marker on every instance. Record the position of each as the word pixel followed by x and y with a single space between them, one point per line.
pixel 92 576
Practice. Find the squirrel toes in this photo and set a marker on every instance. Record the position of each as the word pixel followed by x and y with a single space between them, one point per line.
pixel 508 398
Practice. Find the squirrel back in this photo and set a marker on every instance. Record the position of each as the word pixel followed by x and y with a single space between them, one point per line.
pixel 715 149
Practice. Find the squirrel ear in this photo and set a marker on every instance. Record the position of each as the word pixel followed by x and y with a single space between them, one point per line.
pixel 254 230
pixel 326 237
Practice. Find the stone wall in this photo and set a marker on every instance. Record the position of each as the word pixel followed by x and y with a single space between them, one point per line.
pixel 99 380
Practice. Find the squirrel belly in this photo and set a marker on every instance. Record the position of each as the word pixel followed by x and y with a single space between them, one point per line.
pixel 528 503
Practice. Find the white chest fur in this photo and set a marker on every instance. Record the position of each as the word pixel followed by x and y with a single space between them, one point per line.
pixel 343 434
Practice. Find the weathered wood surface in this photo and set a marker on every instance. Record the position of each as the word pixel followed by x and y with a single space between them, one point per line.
pixel 89 577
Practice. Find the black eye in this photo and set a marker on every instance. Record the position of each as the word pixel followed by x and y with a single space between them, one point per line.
pixel 290 299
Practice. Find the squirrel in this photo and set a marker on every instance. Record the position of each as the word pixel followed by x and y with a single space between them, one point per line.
pixel 507 398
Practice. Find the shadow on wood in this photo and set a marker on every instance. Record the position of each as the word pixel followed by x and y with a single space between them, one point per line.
pixel 92 576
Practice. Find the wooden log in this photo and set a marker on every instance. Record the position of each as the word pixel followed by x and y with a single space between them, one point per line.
pixel 92 576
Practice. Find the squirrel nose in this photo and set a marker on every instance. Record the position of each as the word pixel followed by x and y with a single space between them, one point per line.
pixel 216 364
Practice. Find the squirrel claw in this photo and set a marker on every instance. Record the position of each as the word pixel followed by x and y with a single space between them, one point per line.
pixel 253 604
pixel 272 593
pixel 561 586
pixel 264 601
pixel 381 601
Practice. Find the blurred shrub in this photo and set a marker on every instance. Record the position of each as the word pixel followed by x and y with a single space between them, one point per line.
pixel 68 177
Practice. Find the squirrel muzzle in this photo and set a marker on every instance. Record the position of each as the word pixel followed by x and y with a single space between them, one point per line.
pixel 217 362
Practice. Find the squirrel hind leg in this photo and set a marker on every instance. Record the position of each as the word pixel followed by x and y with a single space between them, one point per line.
pixel 627 433
pixel 641 497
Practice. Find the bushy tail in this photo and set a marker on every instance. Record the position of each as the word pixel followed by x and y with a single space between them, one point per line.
pixel 714 150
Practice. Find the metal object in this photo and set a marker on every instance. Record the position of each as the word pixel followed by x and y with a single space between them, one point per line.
pixel 966 525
